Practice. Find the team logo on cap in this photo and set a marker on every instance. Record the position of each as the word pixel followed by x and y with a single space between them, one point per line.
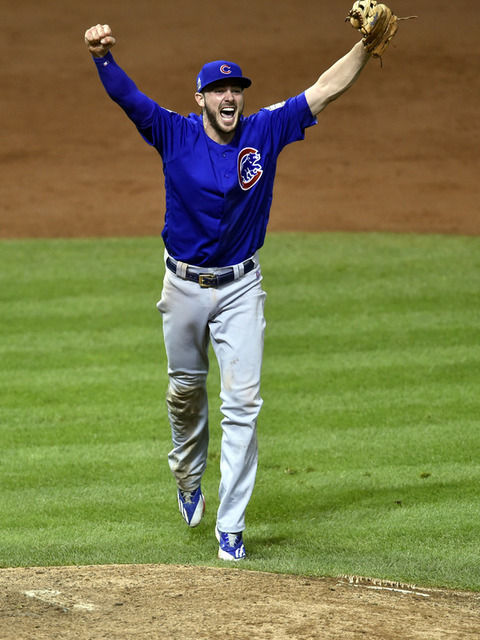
pixel 226 69
pixel 249 168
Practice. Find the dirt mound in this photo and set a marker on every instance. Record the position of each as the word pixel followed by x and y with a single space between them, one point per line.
pixel 189 603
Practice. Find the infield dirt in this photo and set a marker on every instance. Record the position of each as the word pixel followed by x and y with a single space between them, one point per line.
pixel 398 153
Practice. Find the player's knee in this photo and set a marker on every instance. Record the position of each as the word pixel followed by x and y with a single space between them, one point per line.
pixel 185 398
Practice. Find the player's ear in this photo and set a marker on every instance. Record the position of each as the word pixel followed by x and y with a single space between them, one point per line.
pixel 200 98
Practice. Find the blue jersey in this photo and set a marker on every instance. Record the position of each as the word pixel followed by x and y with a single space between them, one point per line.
pixel 218 197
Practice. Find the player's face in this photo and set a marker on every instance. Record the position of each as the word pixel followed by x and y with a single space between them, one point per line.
pixel 222 107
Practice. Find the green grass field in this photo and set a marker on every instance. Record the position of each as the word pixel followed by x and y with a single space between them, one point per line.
pixel 369 436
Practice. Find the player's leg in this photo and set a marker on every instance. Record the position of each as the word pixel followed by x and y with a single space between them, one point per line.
pixel 237 335
pixel 186 337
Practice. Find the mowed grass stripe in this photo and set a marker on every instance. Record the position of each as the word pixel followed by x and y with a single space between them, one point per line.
pixel 369 446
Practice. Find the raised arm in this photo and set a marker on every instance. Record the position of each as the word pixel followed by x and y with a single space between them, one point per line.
pixel 118 85
pixel 337 79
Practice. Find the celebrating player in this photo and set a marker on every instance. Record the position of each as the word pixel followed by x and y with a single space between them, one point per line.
pixel 219 170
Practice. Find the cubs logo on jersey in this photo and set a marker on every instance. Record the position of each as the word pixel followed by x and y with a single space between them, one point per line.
pixel 249 168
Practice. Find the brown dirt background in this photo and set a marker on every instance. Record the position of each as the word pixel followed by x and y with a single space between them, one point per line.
pixel 397 153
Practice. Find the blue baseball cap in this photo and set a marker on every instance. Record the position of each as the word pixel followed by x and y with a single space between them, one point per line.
pixel 221 70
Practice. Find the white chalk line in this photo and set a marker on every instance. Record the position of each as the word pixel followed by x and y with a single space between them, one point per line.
pixel 54 598
pixel 417 593
pixel 383 585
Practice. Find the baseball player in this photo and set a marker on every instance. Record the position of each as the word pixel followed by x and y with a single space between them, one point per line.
pixel 219 169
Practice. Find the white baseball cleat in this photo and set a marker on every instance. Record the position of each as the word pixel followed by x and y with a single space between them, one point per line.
pixel 191 505
pixel 231 546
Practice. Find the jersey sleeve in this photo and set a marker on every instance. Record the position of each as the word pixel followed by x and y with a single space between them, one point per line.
pixel 287 121
pixel 159 127
pixel 122 90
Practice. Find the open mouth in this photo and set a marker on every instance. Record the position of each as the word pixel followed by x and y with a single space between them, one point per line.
pixel 227 114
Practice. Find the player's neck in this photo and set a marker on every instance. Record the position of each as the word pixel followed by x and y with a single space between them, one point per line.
pixel 215 134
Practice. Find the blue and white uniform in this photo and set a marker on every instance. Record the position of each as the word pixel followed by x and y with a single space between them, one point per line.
pixel 218 200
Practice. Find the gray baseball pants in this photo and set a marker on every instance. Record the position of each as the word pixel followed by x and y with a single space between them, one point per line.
pixel 231 318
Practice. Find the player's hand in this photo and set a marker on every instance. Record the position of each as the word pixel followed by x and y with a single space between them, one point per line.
pixel 99 40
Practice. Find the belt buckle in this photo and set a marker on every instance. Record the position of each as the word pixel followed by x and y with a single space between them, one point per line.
pixel 207 280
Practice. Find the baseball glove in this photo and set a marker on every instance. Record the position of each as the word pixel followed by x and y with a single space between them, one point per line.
pixel 376 22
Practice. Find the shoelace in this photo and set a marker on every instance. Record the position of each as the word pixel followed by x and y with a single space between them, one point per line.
pixel 233 539
pixel 187 496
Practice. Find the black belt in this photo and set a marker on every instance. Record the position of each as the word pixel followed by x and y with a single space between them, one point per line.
pixel 206 280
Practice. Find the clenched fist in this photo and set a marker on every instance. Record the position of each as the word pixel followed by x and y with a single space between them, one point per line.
pixel 99 40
